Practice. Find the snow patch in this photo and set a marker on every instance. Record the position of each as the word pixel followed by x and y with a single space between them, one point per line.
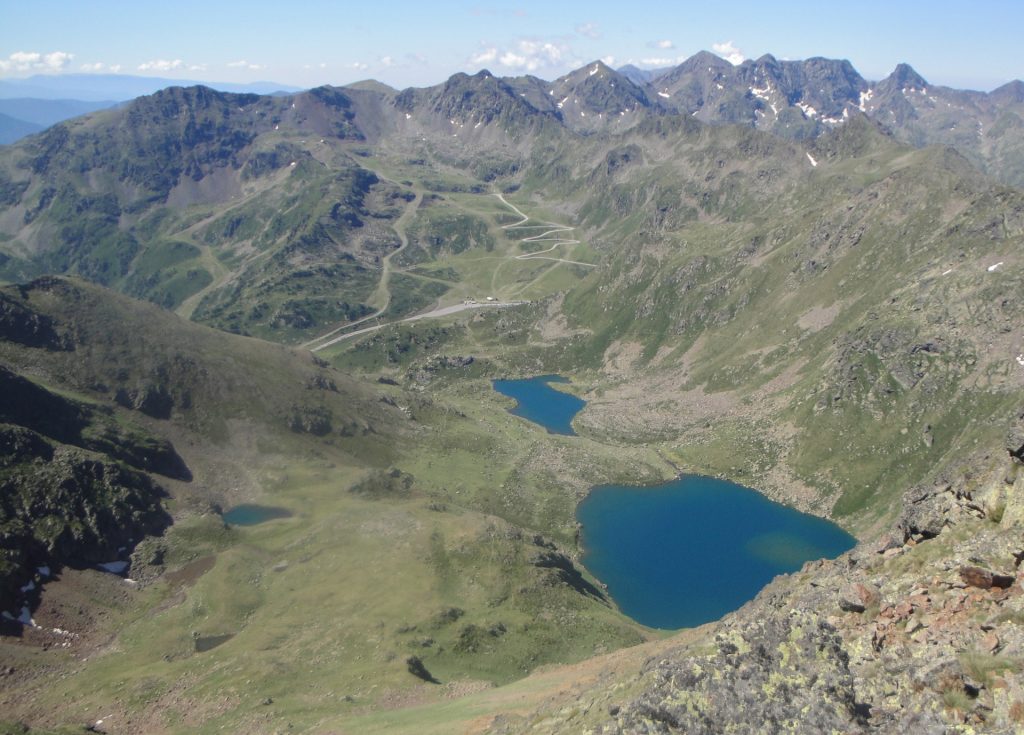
pixel 28 587
pixel 719 86
pixel 24 617
pixel 114 567
pixel 594 70
pixel 408 116
pixel 664 94
pixel 807 109
pixel 947 271
pixel 865 97
pixel 993 267
pixel 814 164
pixel 1020 359
pixel 43 571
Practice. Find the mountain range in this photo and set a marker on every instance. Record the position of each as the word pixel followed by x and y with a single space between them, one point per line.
pixel 777 273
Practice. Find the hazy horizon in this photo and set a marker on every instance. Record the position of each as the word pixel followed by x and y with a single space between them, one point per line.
pixel 320 42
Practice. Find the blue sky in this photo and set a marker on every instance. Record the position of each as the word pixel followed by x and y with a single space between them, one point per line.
pixel 310 42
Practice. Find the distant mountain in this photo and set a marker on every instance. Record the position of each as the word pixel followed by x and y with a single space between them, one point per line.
pixel 372 85
pixel 44 112
pixel 641 76
pixel 804 99
pixel 600 93
pixel 26 115
pixel 118 87
pixel 13 129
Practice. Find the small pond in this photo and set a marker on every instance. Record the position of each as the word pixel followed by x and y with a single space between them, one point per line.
pixel 249 514
pixel 540 403
pixel 691 550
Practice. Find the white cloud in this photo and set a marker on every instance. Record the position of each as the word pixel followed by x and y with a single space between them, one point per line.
pixel 657 62
pixel 99 66
pixel 357 65
pixel 34 61
pixel 386 61
pixel 197 67
pixel 162 65
pixel 589 30
pixel 486 56
pixel 729 52
pixel 664 44
pixel 526 54
pixel 243 64
pixel 608 60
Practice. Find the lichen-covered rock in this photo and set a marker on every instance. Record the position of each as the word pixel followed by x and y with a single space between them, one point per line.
pixel 783 673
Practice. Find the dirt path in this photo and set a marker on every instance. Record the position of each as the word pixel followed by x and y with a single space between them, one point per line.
pixel 382 294
pixel 545 236
pixel 220 272
pixel 433 314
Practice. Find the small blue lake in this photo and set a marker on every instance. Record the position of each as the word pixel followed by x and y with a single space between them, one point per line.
pixel 691 550
pixel 250 515
pixel 540 403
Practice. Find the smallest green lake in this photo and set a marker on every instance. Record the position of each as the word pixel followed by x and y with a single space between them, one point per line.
pixel 249 514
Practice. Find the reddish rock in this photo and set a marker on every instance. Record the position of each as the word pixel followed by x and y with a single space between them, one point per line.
pixel 984 579
pixel 990 642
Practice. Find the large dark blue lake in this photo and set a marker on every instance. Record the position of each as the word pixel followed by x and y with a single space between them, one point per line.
pixel 688 551
pixel 540 403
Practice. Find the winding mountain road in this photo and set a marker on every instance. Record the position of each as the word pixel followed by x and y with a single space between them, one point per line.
pixel 542 237
pixel 382 292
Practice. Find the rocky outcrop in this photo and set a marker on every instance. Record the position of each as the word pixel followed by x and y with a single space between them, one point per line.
pixel 60 506
pixel 784 673
pixel 23 326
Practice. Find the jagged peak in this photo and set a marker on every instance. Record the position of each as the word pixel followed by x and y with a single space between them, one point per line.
pixel 904 77
pixel 764 60
pixel 1009 92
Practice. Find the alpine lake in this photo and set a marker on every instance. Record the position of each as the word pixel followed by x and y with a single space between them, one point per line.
pixel 685 552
